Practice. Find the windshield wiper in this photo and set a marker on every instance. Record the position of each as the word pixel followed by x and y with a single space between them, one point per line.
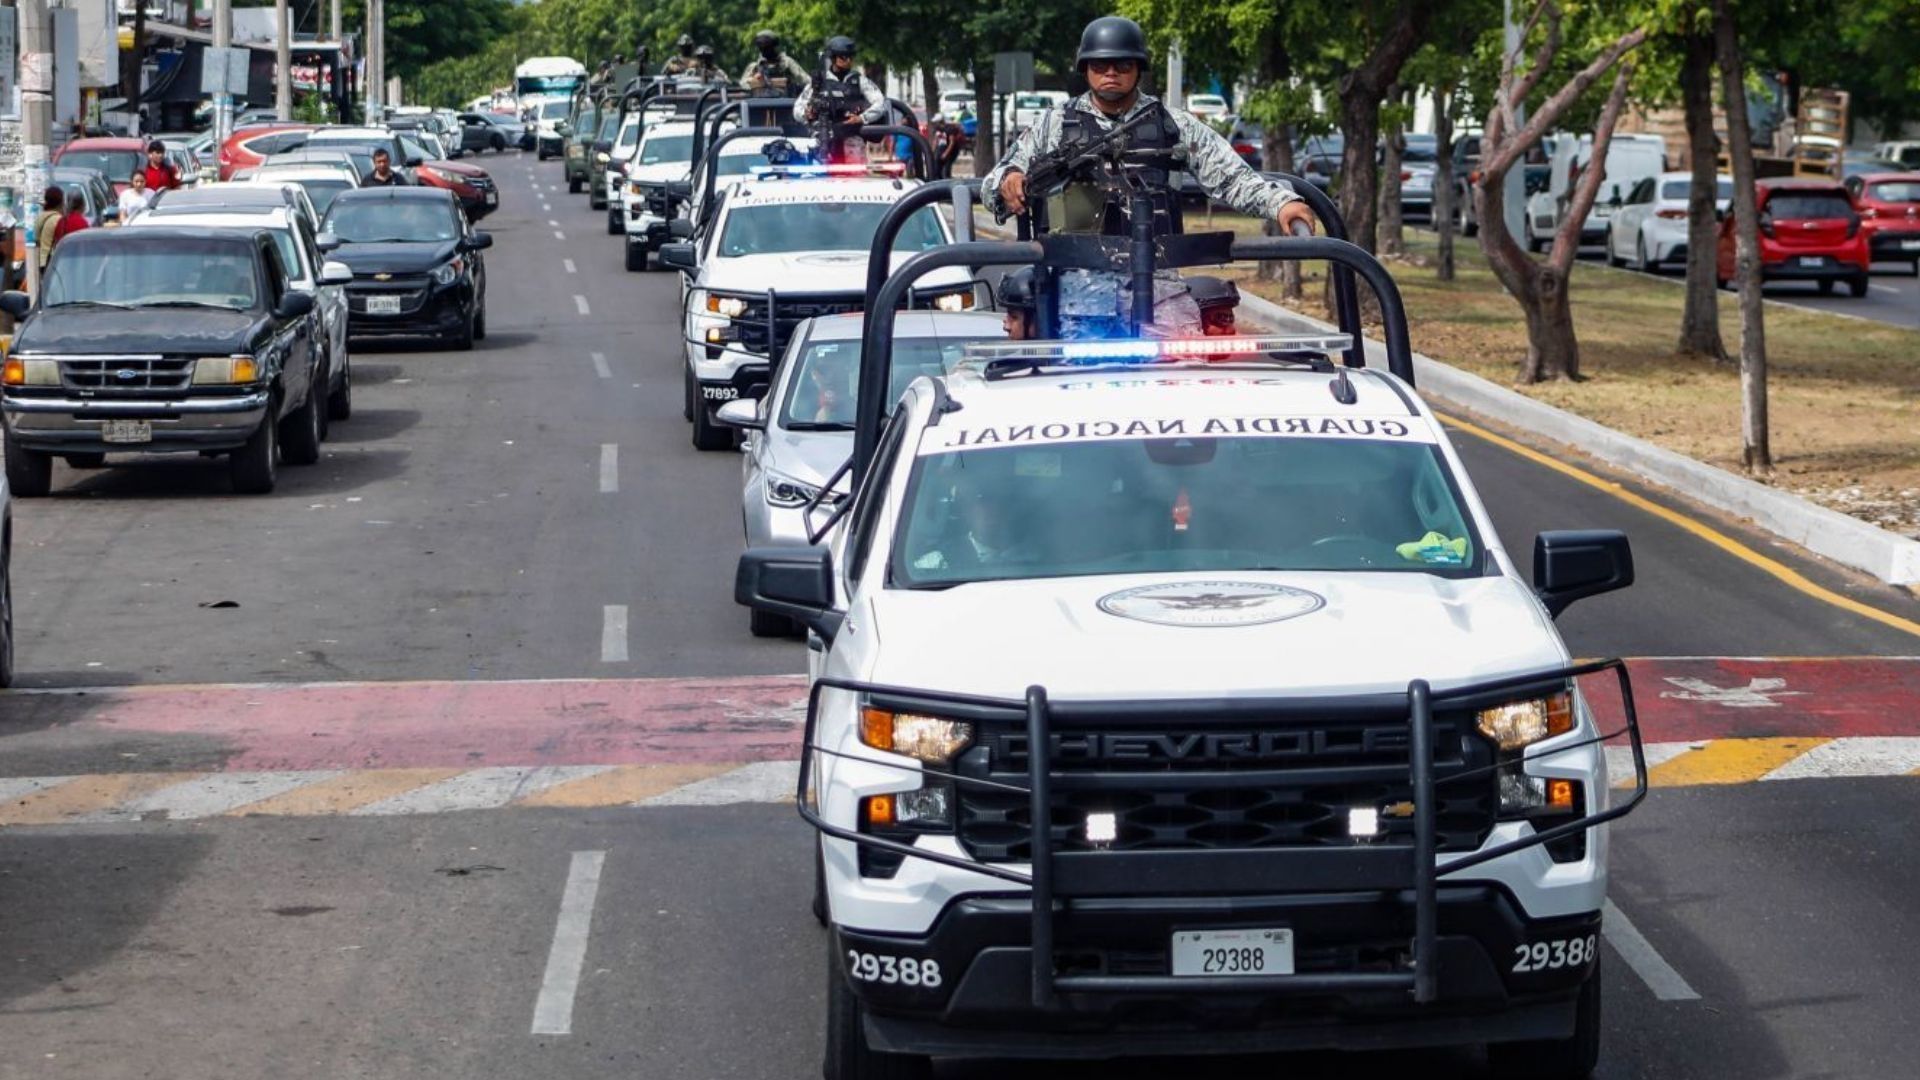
pixel 191 304
pixel 385 240
pixel 818 425
pixel 93 303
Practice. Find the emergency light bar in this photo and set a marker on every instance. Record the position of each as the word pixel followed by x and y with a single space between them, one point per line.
pixel 1071 352
pixel 795 172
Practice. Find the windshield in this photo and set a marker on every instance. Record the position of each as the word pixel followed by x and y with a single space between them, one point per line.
pixel 782 228
pixel 827 376
pixel 364 221
pixel 323 192
pixel 629 136
pixel 136 275
pixel 117 164
pixel 608 128
pixel 660 149
pixel 1167 505
pixel 1896 191
pixel 554 110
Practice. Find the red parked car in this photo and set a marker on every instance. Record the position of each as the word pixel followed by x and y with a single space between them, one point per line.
pixel 115 158
pixel 1889 208
pixel 1809 231
pixel 471 184
pixel 249 146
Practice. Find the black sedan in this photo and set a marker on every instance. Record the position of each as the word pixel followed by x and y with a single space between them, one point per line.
pixel 417 270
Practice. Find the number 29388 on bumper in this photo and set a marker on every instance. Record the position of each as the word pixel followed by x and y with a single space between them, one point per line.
pixel 1217 953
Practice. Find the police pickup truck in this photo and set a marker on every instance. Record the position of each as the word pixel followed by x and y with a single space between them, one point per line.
pixel 787 244
pixel 1176 696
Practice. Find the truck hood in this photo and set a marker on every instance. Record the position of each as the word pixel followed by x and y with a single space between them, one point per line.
pixel 400 258
pixel 811 272
pixel 665 172
pixel 1325 634
pixel 184 331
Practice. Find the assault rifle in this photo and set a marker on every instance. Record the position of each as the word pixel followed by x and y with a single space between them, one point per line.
pixel 1100 157
pixel 833 100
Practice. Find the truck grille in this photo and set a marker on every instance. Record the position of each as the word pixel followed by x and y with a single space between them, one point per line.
pixel 768 337
pixel 1297 790
pixel 103 376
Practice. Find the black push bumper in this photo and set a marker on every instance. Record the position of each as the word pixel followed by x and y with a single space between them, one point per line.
pixel 1083 945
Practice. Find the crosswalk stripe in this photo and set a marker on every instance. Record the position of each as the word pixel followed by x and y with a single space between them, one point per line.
pixel 19 787
pixel 215 794
pixel 346 792
pixel 85 795
pixel 1620 759
pixel 760 782
pixel 1866 756
pixel 624 785
pixel 480 789
pixel 1730 761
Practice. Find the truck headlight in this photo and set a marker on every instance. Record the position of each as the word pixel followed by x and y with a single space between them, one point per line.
pixel 1520 724
pixel 226 370
pixel 448 272
pixel 601 158
pixel 931 739
pixel 954 301
pixel 31 373
pixel 928 807
pixel 731 306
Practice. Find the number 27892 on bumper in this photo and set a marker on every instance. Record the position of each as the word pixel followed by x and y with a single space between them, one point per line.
pixel 1215 953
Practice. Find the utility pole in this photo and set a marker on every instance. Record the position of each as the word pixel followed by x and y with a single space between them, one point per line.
pixel 334 89
pixel 282 61
pixel 36 118
pixel 333 22
pixel 376 58
pixel 222 41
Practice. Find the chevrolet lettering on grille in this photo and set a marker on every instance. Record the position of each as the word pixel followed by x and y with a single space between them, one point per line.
pixel 1202 747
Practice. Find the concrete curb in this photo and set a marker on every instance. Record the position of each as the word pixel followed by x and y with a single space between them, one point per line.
pixel 1849 541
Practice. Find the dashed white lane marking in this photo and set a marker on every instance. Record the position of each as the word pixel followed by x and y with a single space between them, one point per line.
pixel 480 789
pixel 1885 289
pixel 600 367
pixel 609 468
pixel 558 235
pixel 613 634
pixel 550 221
pixel 211 796
pixel 19 787
pixel 581 303
pixel 553 1009
pixel 571 269
pixel 1642 957
pixel 1860 756
pixel 760 782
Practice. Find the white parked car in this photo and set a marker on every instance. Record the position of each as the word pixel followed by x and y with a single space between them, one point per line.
pixel 1630 159
pixel 320 180
pixel 1025 109
pixel 1208 106
pixel 1649 227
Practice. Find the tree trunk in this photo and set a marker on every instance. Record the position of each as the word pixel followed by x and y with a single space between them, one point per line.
pixel 985 156
pixel 1443 179
pixel 1700 320
pixel 1393 239
pixel 1276 155
pixel 1359 173
pixel 1755 443
pixel 929 91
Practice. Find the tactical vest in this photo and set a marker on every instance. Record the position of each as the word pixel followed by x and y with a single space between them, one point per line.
pixel 770 77
pixel 1084 208
pixel 843 95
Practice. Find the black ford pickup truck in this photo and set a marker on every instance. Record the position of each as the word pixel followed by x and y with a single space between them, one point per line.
pixel 162 339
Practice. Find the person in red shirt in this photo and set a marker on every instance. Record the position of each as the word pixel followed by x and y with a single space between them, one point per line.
pixel 73 220
pixel 161 175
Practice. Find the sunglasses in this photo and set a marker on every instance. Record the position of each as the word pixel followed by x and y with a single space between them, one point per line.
pixel 1112 67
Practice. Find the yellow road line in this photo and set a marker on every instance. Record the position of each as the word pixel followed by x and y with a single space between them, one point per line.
pixel 345 793
pixel 1784 573
pixel 624 785
pixel 1729 761
pixel 87 795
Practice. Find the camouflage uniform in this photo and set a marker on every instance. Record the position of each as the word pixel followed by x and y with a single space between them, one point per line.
pixel 876 111
pixel 761 74
pixel 681 65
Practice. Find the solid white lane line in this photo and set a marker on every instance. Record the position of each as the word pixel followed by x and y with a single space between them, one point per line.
pixel 761 782
pixel 600 367
pixel 479 789
pixel 613 634
pixel 609 468
pixel 571 269
pixel 553 1009
pixel 581 303
pixel 1640 955
pixel 209 796
pixel 1885 289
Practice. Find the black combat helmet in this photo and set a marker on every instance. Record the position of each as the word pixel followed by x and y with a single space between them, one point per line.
pixel 767 42
pixel 1208 291
pixel 838 46
pixel 1112 37
pixel 1016 289
pixel 704 52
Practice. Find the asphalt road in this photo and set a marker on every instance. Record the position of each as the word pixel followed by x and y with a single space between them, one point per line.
pixel 1893 296
pixel 458 531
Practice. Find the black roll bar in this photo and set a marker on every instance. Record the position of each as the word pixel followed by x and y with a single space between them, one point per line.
pixel 705 115
pixel 710 162
pixel 1393 313
pixel 876 339
pixel 1346 302
pixel 880 251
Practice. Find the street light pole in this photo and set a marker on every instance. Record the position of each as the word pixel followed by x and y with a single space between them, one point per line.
pixel 376 58
pixel 36 119
pixel 222 41
pixel 282 61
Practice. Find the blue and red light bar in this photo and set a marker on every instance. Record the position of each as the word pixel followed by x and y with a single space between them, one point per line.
pixel 797 172
pixel 1150 349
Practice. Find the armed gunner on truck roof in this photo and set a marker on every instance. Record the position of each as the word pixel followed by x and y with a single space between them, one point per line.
pixel 774 74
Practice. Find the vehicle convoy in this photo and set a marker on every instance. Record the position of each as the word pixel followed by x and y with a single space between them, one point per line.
pixel 1267 743
pixel 416 262
pixel 544 86
pixel 159 339
pixel 664 156
pixel 787 245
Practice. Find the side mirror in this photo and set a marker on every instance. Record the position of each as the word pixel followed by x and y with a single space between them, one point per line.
pixel 604 146
pixel 294 304
pixel 680 189
pixel 477 241
pixel 679 256
pixel 742 413
pixel 680 229
pixel 1572 565
pixel 326 241
pixel 792 581
pixel 16 304
pixel 414 161
pixel 335 273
